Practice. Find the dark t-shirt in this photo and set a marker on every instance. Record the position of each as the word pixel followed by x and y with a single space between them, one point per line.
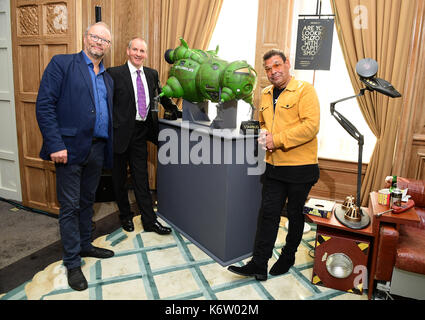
pixel 292 174
pixel 276 94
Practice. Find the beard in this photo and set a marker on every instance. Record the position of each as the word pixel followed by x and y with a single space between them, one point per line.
pixel 94 51
pixel 95 55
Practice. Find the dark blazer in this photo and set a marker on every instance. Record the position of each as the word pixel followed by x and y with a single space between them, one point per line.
pixel 124 111
pixel 65 109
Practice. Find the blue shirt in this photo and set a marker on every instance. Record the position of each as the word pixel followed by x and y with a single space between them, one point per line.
pixel 100 99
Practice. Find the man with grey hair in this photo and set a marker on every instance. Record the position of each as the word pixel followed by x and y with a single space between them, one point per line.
pixel 74 113
pixel 135 123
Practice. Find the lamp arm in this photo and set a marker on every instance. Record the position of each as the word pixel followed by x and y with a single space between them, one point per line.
pixel 352 130
pixel 343 121
pixel 348 126
pixel 361 93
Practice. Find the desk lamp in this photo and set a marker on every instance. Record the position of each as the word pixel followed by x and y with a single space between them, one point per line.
pixel 350 214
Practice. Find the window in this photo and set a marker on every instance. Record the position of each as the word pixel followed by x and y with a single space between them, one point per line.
pixel 235 34
pixel 332 85
pixel 236 40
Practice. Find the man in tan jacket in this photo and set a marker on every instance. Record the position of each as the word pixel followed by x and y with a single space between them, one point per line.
pixel 290 115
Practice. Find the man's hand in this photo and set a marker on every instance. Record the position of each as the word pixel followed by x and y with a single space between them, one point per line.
pixel 59 156
pixel 172 113
pixel 269 141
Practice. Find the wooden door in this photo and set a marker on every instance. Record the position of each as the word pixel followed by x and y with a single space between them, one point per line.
pixel 40 29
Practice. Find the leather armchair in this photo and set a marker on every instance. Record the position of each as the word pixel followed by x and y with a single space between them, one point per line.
pixel 403 248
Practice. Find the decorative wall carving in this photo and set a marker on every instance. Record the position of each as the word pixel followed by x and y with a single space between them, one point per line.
pixel 56 18
pixel 28 21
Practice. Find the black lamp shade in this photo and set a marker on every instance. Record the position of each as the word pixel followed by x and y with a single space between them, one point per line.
pixel 367 68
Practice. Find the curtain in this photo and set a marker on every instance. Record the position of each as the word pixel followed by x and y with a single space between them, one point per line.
pixel 381 30
pixel 274 30
pixel 412 122
pixel 194 20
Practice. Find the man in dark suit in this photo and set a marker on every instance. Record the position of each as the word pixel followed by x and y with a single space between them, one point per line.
pixel 74 113
pixel 135 88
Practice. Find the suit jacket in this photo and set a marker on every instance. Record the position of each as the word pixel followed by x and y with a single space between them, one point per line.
pixel 124 111
pixel 66 111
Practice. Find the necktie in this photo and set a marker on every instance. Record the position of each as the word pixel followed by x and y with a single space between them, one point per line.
pixel 141 96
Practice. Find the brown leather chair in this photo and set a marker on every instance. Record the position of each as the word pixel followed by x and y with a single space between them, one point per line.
pixel 404 248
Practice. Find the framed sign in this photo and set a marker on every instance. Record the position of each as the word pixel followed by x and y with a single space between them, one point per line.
pixel 314 44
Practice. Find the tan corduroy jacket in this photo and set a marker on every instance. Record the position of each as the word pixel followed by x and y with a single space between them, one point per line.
pixel 294 124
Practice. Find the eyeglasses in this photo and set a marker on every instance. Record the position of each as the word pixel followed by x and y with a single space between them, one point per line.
pixel 95 38
pixel 275 64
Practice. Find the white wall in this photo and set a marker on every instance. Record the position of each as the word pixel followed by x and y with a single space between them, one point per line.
pixel 10 184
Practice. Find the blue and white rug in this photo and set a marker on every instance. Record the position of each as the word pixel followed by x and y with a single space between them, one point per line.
pixel 147 266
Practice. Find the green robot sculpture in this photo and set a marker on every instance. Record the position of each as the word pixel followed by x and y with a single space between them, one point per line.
pixel 199 76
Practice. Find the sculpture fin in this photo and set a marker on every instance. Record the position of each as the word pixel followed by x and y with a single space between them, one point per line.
pixel 184 43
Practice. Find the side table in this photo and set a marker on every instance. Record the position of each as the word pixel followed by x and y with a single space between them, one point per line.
pixel 334 227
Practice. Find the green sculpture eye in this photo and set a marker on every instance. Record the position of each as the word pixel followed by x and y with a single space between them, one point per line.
pixel 248 88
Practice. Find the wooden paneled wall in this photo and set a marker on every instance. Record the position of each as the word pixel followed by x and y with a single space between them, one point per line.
pixel 273 26
pixel 40 29
pixel 338 179
pixel 128 19
pixel 43 28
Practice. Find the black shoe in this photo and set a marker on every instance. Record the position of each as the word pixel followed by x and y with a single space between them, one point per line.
pixel 127 224
pixel 282 265
pixel 96 252
pixel 76 279
pixel 158 228
pixel 250 270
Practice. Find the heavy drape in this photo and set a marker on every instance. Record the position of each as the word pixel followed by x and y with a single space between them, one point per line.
pixel 194 20
pixel 411 125
pixel 381 30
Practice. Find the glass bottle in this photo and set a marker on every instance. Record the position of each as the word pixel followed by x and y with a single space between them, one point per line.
pixel 393 184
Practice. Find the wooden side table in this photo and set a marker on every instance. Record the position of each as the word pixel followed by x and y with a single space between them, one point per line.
pixel 333 223
pixel 371 231
pixel 324 224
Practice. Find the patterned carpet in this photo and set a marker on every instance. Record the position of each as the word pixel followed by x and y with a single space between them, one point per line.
pixel 147 266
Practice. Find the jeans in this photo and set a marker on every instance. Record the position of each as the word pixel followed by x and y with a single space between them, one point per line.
pixel 76 186
pixel 274 196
